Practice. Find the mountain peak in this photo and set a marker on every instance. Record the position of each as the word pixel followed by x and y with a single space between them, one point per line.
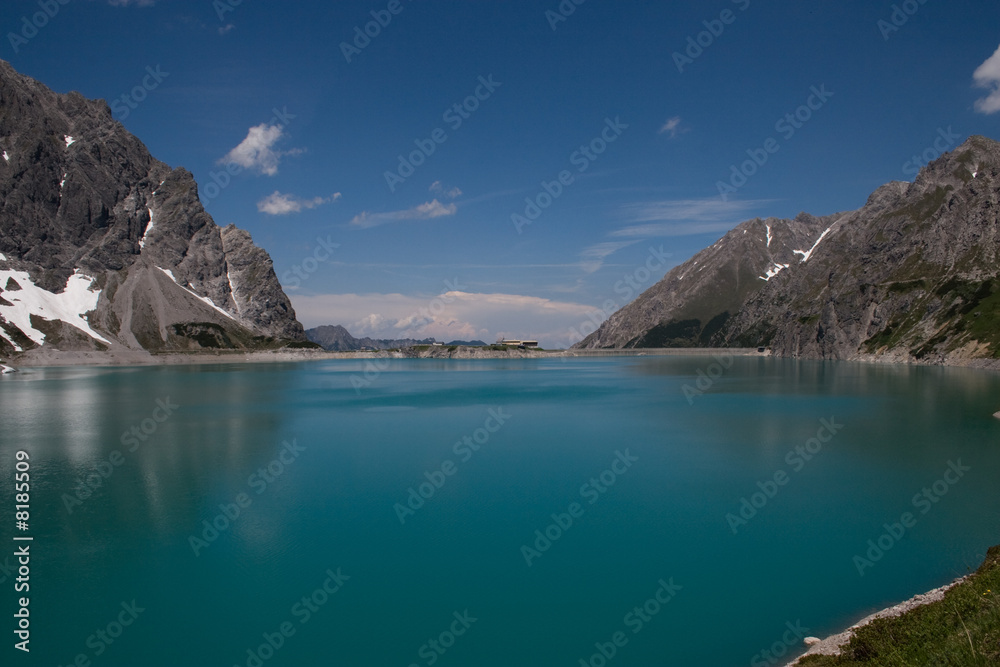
pixel 80 196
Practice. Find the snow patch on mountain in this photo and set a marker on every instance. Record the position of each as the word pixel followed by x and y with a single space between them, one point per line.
pixel 142 239
pixel 69 306
pixel 203 299
pixel 806 254
pixel 773 271
pixel 232 290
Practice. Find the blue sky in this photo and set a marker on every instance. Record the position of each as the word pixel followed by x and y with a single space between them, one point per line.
pixel 300 120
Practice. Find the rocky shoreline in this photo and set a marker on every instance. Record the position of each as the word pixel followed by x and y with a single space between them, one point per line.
pixel 832 644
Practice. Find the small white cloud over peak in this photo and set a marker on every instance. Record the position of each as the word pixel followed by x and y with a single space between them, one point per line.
pixel 592 258
pixel 671 127
pixel 278 203
pixel 450 193
pixel 426 211
pixel 684 217
pixel 987 76
pixel 257 151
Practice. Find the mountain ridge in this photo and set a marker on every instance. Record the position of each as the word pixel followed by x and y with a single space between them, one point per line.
pixel 82 197
pixel 336 338
pixel 912 275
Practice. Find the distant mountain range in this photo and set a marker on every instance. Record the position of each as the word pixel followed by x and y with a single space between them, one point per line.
pixel 913 275
pixel 103 247
pixel 338 339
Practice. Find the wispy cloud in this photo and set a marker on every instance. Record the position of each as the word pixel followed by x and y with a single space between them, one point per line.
pixel 278 203
pixel 427 211
pixel 987 76
pixel 126 3
pixel 672 229
pixel 257 151
pixel 671 127
pixel 226 29
pixel 592 258
pixel 450 193
pixel 684 217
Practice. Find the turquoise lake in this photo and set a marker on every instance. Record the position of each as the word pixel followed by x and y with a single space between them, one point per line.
pixel 389 518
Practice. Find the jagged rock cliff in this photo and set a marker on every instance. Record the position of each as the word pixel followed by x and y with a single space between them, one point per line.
pixel 914 275
pixel 104 247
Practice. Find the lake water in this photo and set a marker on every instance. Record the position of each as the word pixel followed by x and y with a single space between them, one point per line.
pixel 333 561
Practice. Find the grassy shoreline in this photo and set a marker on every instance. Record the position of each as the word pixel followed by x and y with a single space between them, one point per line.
pixel 962 628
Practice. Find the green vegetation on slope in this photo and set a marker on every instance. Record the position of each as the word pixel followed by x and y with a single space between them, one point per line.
pixel 961 629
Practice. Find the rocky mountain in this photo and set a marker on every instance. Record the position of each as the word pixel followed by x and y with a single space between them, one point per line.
pixel 103 247
pixel 338 339
pixel 694 300
pixel 333 338
pixel 913 275
pixel 466 343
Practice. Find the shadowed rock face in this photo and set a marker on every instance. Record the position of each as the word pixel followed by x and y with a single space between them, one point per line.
pixel 912 275
pixel 79 193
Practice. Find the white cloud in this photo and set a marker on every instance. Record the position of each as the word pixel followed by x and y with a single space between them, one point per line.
pixel 450 193
pixel 671 127
pixel 426 211
pixel 592 258
pixel 226 29
pixel 282 204
pixel 987 76
pixel 711 209
pixel 257 150
pixel 685 217
pixel 673 229
pixel 453 315
pixel 371 323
